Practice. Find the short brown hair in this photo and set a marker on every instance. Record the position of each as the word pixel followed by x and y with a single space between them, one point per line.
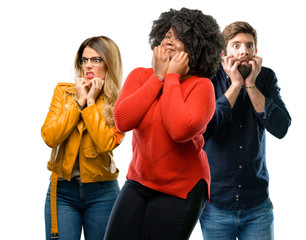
pixel 231 30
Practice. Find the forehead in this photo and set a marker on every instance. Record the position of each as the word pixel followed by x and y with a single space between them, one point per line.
pixel 242 38
pixel 90 52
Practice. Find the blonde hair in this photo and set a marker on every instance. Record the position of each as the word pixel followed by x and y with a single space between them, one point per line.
pixel 111 56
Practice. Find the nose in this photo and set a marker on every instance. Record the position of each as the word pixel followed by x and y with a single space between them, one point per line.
pixel 89 64
pixel 244 50
pixel 169 41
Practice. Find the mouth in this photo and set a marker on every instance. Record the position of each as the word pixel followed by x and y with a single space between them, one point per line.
pixel 169 48
pixel 244 60
pixel 90 75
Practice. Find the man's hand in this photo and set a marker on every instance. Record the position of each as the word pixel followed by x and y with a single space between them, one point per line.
pixel 230 66
pixel 255 63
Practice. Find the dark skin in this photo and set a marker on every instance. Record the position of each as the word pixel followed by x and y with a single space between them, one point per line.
pixel 170 57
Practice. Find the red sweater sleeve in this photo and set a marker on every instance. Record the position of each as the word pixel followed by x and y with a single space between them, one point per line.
pixel 185 117
pixel 140 90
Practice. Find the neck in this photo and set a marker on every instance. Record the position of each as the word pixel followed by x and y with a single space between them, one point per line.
pixel 185 77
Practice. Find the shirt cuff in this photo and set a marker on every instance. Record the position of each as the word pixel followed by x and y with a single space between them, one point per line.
pixel 268 108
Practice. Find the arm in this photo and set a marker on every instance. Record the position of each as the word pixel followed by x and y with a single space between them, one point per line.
pixel 139 91
pixel 104 138
pixel 182 118
pixel 222 115
pixel 275 116
pixel 59 123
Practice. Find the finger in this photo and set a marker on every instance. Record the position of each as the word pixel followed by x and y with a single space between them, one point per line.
pixel 185 57
pixel 235 65
pixel 175 57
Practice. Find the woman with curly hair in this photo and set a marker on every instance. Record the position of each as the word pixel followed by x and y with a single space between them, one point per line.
pixel 80 129
pixel 168 108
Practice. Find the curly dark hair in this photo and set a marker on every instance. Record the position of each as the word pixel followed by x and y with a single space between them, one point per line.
pixel 200 34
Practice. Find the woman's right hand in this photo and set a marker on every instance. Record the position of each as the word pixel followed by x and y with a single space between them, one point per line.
pixel 82 90
pixel 160 61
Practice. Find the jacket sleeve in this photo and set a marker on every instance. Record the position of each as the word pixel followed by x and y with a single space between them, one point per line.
pixel 104 138
pixel 139 91
pixel 186 117
pixel 60 120
pixel 275 118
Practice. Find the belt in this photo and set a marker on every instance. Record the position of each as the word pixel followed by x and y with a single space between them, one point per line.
pixel 54 227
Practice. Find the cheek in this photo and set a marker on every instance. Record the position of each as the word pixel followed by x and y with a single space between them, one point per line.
pixel 180 46
pixel 101 71
pixel 163 42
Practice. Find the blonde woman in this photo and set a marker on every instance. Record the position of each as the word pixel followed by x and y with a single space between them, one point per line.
pixel 79 128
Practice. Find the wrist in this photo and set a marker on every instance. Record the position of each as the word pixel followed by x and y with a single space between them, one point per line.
pixel 237 85
pixel 160 78
pixel 81 107
pixel 250 86
pixel 81 101
pixel 90 102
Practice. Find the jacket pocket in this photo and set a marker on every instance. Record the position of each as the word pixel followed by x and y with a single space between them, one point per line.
pixel 91 152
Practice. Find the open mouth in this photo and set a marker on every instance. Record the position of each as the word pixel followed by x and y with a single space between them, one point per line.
pixel 90 75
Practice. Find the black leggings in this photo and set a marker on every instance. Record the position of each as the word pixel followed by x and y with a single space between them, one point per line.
pixel 141 213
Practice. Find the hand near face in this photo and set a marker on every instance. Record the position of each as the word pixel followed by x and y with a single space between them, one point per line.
pixel 160 61
pixel 95 85
pixel 179 64
pixel 82 89
pixel 230 66
pixel 255 63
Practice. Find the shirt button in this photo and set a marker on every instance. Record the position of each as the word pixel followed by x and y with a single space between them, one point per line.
pixel 240 147
pixel 92 154
pixel 240 166
pixel 67 105
pixel 239 185
pixel 240 126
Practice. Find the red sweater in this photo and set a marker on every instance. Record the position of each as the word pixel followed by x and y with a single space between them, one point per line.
pixel 168 121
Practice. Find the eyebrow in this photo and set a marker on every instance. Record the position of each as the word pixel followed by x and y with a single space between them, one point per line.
pixel 240 42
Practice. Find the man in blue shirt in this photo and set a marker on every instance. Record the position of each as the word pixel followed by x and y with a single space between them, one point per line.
pixel 248 102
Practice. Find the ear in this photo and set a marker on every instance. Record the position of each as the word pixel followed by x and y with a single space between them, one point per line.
pixel 223 53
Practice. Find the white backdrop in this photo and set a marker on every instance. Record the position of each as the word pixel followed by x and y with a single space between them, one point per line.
pixel 39 40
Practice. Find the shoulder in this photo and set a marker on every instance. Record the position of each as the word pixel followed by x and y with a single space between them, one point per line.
pixel 65 87
pixel 202 81
pixel 140 75
pixel 142 71
pixel 266 74
pixel 266 70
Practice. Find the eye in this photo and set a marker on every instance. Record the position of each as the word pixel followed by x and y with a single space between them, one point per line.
pixel 84 60
pixel 235 46
pixel 96 59
pixel 250 45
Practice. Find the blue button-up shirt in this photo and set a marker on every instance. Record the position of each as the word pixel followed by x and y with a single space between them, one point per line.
pixel 235 142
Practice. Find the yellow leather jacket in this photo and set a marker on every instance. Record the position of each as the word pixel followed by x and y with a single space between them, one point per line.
pixel 71 133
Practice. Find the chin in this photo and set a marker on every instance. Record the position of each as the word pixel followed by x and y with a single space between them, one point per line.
pixel 245 70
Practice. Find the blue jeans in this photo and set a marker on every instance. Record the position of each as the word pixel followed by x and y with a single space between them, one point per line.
pixel 82 204
pixel 245 224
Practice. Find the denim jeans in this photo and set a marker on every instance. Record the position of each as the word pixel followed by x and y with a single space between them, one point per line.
pixel 245 224
pixel 86 205
pixel 143 213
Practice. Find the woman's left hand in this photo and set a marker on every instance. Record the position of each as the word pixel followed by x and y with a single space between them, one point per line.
pixel 96 85
pixel 179 64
